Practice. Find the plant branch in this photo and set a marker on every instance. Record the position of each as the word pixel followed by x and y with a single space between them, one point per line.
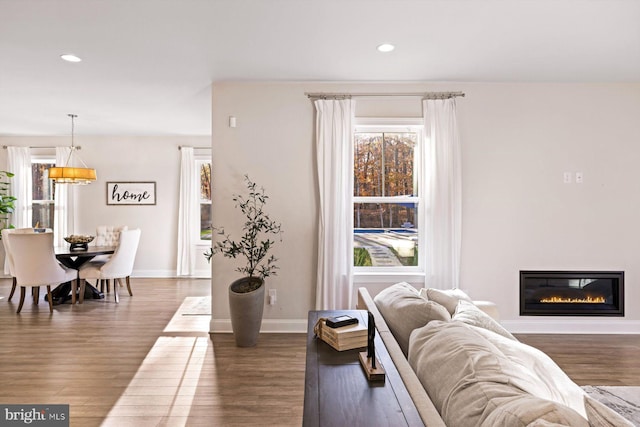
pixel 259 232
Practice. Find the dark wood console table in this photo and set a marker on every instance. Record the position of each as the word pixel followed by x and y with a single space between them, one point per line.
pixel 337 392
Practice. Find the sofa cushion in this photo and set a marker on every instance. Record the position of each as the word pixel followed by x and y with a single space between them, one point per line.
pixel 552 382
pixel 404 310
pixel 461 372
pixel 468 313
pixel 467 376
pixel 531 411
pixel 446 297
pixel 488 307
pixel 600 415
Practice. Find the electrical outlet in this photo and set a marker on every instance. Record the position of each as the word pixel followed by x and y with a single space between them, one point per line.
pixel 579 177
pixel 272 296
pixel 567 177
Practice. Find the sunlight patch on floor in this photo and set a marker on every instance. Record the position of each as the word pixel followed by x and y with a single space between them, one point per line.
pixel 193 315
pixel 166 382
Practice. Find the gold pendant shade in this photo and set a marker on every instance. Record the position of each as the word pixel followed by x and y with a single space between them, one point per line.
pixel 69 174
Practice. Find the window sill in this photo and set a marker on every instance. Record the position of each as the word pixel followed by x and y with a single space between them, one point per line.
pixel 389 277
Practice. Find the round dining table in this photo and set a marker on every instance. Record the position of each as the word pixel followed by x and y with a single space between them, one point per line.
pixel 74 258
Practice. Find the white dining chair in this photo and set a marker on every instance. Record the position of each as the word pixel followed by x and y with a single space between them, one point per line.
pixel 35 264
pixel 119 267
pixel 9 257
pixel 9 261
pixel 107 235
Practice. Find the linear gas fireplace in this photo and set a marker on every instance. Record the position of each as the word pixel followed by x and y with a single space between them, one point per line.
pixel 572 293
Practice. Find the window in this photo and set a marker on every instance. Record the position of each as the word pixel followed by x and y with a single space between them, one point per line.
pixel 204 171
pixel 386 197
pixel 194 212
pixel 42 193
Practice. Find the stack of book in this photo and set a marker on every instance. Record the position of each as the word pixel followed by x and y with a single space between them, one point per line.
pixel 346 337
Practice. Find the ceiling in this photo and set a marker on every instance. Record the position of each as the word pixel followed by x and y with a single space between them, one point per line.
pixel 148 64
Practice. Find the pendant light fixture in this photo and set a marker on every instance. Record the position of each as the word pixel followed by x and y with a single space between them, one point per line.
pixel 69 174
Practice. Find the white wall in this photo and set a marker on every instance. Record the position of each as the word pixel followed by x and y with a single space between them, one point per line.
pixel 517 141
pixel 518 214
pixel 127 158
pixel 272 143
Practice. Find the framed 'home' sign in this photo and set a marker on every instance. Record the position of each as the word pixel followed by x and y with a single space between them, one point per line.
pixel 131 193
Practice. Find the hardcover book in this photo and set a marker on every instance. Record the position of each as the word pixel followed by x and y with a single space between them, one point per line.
pixel 346 337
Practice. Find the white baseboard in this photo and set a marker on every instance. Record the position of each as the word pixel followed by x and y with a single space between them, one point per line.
pixel 152 274
pixel 156 274
pixel 272 326
pixel 557 325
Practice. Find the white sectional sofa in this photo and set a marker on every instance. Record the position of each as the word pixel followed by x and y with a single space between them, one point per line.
pixel 462 368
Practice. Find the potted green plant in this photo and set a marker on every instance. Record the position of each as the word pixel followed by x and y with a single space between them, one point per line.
pixel 246 295
pixel 7 201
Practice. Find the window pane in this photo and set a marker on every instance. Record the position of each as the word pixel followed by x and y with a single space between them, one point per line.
pixel 42 193
pixel 42 187
pixel 398 163
pixel 367 167
pixel 205 181
pixel 385 234
pixel 42 216
pixel 205 201
pixel 205 221
pixel 383 164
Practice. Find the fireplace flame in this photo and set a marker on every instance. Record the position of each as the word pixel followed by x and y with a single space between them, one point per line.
pixel 586 300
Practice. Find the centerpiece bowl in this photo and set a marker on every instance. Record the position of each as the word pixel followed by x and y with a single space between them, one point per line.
pixel 79 242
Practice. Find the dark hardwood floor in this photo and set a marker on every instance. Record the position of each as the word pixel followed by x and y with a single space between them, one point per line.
pixel 149 361
pixel 597 359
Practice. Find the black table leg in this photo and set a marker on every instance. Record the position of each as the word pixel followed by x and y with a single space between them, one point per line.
pixel 62 293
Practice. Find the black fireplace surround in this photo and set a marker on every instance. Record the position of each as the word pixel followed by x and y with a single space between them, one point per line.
pixel 572 293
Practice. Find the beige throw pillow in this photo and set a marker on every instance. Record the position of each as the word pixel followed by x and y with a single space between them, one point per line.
pixel 446 297
pixel 468 313
pixel 404 310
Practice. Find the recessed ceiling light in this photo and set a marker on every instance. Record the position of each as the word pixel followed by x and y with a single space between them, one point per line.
pixel 386 47
pixel 70 57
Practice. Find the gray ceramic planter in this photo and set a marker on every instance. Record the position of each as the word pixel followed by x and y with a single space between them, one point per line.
pixel 246 312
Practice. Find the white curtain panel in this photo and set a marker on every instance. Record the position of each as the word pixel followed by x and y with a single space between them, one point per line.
pixel 64 202
pixel 444 176
pixel 19 163
pixel 187 213
pixel 334 133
